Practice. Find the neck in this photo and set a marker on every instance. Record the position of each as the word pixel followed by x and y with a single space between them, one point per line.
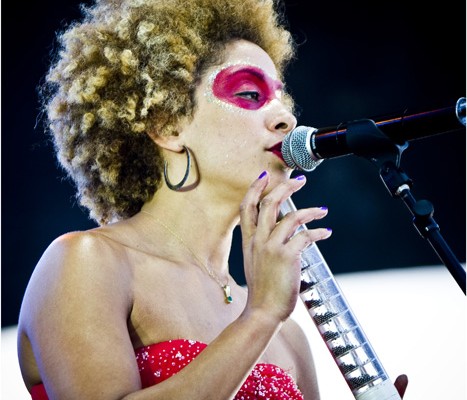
pixel 205 227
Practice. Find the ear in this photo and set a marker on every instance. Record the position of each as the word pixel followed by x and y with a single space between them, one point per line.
pixel 171 143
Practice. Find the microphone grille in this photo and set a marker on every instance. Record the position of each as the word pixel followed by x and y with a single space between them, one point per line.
pixel 296 149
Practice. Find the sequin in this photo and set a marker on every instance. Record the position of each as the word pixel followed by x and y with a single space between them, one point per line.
pixel 160 361
pixel 266 381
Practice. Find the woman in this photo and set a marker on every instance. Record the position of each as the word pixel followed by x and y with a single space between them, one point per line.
pixel 168 115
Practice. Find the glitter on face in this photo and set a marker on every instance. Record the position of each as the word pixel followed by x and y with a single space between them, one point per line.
pixel 241 86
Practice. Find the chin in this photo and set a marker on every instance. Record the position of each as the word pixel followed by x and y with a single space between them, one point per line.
pixel 281 173
pixel 277 177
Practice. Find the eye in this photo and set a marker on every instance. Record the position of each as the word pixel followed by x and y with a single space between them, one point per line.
pixel 251 95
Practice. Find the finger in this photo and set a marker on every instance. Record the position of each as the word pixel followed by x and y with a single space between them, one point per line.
pixel 287 227
pixel 298 243
pixel 401 383
pixel 249 205
pixel 270 204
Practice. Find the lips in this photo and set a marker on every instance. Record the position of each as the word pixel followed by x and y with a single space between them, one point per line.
pixel 276 149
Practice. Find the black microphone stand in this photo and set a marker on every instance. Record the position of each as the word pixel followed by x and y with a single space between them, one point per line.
pixel 366 140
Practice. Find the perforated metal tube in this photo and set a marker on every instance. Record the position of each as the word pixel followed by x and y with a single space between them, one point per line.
pixel 339 328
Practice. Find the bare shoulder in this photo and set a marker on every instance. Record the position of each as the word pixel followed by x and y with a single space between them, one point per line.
pixel 76 264
pixel 91 246
pixel 80 277
pixel 77 258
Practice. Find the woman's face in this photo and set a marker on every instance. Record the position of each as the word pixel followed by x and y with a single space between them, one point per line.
pixel 239 118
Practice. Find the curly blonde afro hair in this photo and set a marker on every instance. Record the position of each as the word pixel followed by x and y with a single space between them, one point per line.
pixel 130 67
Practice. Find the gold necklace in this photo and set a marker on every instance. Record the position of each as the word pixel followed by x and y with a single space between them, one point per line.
pixel 226 288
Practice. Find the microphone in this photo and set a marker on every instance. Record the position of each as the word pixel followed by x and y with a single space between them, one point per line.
pixel 304 148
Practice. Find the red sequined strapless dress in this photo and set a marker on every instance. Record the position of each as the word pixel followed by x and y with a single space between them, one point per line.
pixel 160 361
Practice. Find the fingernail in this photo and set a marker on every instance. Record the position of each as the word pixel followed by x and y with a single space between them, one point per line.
pixel 324 208
pixel 329 230
pixel 300 177
pixel 263 174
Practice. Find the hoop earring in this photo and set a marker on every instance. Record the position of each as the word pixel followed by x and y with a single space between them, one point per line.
pixel 180 184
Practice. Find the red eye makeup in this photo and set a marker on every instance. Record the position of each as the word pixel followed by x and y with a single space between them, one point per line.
pixel 245 86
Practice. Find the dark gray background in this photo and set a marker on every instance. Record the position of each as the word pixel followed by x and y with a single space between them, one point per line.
pixel 357 60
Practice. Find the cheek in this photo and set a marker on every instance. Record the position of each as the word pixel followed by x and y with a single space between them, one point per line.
pixel 220 132
pixel 234 140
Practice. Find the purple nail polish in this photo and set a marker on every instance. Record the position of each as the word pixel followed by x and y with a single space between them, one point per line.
pixel 324 208
pixel 300 177
pixel 263 174
pixel 329 229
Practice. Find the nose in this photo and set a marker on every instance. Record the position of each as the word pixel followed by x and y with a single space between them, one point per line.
pixel 282 120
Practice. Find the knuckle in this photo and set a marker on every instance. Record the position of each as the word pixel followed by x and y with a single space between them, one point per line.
pixel 247 206
pixel 267 201
pixel 293 218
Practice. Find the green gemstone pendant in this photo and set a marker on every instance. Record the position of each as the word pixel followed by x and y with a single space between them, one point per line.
pixel 227 296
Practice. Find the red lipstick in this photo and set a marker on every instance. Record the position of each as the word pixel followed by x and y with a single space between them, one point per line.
pixel 276 149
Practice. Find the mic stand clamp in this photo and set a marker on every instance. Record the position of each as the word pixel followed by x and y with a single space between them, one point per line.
pixel 366 140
